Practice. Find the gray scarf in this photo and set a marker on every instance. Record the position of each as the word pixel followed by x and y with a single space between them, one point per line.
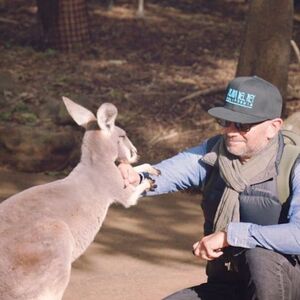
pixel 238 176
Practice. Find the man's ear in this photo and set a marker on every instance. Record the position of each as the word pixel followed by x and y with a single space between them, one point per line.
pixel 274 127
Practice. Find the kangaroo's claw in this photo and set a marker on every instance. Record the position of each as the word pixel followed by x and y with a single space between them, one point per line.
pixel 153 186
pixel 157 172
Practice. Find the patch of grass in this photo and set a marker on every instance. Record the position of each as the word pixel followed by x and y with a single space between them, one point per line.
pixel 27 118
pixel 116 94
pixel 5 116
pixel 50 52
pixel 21 107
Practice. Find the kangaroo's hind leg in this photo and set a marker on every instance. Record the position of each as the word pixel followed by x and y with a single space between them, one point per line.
pixel 37 265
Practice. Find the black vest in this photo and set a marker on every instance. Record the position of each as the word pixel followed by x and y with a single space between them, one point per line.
pixel 259 203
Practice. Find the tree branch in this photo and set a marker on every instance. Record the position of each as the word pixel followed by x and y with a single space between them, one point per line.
pixel 5 20
pixel 205 92
pixel 296 50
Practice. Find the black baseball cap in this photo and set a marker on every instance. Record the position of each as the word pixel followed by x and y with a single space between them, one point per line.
pixel 249 100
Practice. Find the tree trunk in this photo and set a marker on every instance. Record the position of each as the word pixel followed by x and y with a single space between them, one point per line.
pixel 266 48
pixel 65 23
pixel 140 10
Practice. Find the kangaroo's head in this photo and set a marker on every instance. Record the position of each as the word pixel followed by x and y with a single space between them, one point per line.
pixel 105 139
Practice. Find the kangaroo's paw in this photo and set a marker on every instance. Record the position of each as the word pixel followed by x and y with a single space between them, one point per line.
pixel 154 171
pixel 147 168
pixel 152 185
pixel 149 184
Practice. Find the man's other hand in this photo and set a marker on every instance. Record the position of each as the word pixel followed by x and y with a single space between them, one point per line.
pixel 210 247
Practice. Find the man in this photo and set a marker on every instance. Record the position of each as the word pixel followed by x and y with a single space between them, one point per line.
pixel 251 240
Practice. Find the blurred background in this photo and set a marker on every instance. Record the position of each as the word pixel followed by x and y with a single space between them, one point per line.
pixel 162 63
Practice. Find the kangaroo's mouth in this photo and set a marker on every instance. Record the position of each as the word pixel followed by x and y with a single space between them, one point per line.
pixel 133 159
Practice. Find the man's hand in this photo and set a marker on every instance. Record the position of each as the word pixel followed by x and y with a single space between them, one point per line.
pixel 130 176
pixel 210 247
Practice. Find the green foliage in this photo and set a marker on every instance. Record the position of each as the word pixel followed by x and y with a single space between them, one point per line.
pixel 27 118
pixel 20 112
pixel 58 174
pixel 21 107
pixel 50 52
pixel 5 116
pixel 7 44
pixel 116 94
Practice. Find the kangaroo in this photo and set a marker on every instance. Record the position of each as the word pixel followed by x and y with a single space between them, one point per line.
pixel 45 228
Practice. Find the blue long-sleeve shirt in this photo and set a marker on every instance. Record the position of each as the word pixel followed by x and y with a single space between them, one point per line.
pixel 185 170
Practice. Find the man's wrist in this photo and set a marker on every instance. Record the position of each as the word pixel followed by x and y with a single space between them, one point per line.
pixel 141 177
pixel 225 230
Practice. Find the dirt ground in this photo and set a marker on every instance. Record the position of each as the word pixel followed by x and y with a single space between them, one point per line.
pixel 146 67
pixel 141 253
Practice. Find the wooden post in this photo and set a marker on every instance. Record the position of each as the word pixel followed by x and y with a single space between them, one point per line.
pixel 65 23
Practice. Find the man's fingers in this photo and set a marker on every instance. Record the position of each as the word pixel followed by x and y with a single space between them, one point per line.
pixel 132 177
pixel 210 247
pixel 211 255
pixel 205 257
pixel 218 254
pixel 126 183
pixel 124 170
pixel 203 250
pixel 196 249
pixel 196 252
pixel 214 254
pixel 196 245
pixel 129 175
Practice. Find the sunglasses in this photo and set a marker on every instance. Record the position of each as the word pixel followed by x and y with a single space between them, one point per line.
pixel 238 126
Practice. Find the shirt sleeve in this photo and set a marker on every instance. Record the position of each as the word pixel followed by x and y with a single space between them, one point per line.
pixel 284 238
pixel 180 172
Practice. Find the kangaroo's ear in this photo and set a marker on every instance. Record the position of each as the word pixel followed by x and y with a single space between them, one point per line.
pixel 79 114
pixel 106 116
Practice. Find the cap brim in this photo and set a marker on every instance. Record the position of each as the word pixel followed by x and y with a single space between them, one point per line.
pixel 234 116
